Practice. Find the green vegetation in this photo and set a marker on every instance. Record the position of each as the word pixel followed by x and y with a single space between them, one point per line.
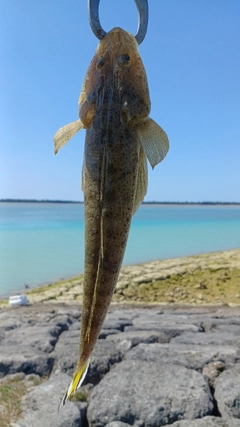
pixel 67 282
pixel 201 279
pixel 34 380
pixel 80 396
pixel 11 393
pixel 202 286
pixel 12 390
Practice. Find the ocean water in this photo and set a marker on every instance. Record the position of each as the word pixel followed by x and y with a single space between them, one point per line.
pixel 43 242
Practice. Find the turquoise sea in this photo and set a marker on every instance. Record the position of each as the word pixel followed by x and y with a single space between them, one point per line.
pixel 43 242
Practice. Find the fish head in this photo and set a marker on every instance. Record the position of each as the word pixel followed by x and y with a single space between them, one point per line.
pixel 117 52
pixel 116 76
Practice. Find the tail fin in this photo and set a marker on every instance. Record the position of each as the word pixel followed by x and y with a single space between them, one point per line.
pixel 76 382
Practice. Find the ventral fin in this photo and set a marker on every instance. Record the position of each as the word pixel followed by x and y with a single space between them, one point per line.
pixel 154 141
pixel 142 180
pixel 64 134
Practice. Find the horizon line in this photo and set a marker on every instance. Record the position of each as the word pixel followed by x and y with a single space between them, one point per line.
pixel 9 200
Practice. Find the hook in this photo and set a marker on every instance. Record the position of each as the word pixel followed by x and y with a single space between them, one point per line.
pixel 93 12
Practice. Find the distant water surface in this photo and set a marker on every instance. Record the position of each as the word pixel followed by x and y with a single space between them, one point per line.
pixel 43 242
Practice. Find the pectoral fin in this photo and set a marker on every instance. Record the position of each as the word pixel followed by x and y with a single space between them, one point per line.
pixel 154 141
pixel 65 133
pixel 142 180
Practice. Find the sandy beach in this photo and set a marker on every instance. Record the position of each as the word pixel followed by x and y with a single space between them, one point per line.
pixel 212 278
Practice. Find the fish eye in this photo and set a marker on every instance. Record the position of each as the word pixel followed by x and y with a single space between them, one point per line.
pixel 100 63
pixel 124 59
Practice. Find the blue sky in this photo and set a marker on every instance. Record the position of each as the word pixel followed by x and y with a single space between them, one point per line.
pixel 192 58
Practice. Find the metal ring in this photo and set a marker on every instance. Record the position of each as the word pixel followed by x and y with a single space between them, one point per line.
pixel 93 13
pixel 142 6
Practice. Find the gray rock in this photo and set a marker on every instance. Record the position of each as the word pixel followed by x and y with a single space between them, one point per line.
pixel 40 407
pixel 226 312
pixel 190 356
pixel 212 370
pixel 227 393
pixel 2 334
pixel 162 318
pixel 210 338
pixel 10 323
pixel 66 352
pixel 171 327
pixel 119 324
pixel 62 321
pixel 123 314
pixel 74 312
pixel 42 338
pixel 152 387
pixel 105 332
pixel 117 424
pixel 126 340
pixel 191 311
pixel 221 326
pixel 112 325
pixel 20 358
pixel 75 326
pixel 206 422
pixel 154 394
pixel 103 357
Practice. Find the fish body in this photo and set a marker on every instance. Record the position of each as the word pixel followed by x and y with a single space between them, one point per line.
pixel 114 108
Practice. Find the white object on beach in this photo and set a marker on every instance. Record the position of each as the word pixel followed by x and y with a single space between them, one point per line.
pixel 18 300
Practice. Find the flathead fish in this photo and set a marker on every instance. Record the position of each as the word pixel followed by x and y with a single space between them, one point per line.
pixel 114 108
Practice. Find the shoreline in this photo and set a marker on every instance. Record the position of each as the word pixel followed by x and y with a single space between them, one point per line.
pixel 211 278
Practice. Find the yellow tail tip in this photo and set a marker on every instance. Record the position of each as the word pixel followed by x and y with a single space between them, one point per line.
pixel 76 382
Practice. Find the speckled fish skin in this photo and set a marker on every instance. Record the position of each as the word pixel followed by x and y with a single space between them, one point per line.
pixel 114 106
pixel 115 99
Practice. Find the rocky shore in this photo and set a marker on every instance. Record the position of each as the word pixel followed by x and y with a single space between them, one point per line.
pixel 152 366
pixel 211 278
pixel 168 353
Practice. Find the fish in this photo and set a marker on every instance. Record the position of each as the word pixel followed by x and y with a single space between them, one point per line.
pixel 114 108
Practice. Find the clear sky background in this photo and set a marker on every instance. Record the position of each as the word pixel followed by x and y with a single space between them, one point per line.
pixel 192 57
